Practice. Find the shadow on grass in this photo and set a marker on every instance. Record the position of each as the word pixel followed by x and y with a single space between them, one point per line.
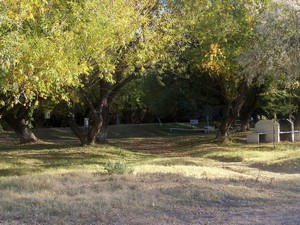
pixel 16 172
pixel 25 159
pixel 38 146
pixel 290 166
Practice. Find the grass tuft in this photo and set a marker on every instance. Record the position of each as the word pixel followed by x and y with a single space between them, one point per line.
pixel 119 167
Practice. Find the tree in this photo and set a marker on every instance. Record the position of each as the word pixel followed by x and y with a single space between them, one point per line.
pixel 220 31
pixel 276 53
pixel 36 57
pixel 121 41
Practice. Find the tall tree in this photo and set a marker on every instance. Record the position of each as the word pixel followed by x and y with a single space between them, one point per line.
pixel 37 61
pixel 121 40
pixel 220 31
pixel 276 52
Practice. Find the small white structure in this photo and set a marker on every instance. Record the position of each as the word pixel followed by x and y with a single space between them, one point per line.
pixel 265 131
pixel 272 131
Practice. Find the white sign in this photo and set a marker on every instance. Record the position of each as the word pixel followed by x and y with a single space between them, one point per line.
pixel 86 122
pixel 194 122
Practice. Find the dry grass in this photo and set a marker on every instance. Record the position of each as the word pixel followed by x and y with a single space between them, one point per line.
pixel 176 179
pixel 92 198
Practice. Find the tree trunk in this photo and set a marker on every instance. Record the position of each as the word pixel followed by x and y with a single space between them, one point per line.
pixel 245 120
pixel 227 121
pixel 251 104
pixel 18 123
pixel 100 113
pixel 89 137
pixel 93 133
pixel 231 113
pixel 77 131
pixel 102 136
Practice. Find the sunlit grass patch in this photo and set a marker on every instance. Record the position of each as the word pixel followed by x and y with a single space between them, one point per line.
pixel 173 178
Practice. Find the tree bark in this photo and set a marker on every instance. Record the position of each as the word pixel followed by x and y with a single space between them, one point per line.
pixel 245 123
pixel 89 137
pixel 251 104
pixel 114 90
pixel 102 136
pixel 231 112
pixel 18 122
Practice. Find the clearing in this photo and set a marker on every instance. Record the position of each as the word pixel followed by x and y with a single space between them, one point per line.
pixel 173 178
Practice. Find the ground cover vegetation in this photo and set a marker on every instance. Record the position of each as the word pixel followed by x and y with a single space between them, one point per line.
pixel 155 60
pixel 147 174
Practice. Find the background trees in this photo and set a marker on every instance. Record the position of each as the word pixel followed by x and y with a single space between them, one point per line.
pixel 220 31
pixel 193 55
pixel 275 56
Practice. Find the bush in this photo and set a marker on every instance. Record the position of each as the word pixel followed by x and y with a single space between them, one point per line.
pixel 117 168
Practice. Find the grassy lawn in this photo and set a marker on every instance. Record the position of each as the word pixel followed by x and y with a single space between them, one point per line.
pixel 170 178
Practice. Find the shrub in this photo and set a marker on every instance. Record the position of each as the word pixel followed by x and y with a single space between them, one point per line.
pixel 117 167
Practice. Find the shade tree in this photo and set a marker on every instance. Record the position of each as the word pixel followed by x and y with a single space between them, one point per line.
pixel 220 31
pixel 137 37
pixel 37 58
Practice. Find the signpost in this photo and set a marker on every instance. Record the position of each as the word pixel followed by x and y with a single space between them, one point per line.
pixel 86 125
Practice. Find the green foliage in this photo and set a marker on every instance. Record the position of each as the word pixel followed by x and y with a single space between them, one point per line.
pixel 37 53
pixel 222 31
pixel 118 167
pixel 277 46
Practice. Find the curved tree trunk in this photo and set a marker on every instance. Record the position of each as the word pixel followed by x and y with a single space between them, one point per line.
pixel 227 121
pixel 89 137
pixel 231 113
pixel 99 110
pixel 19 124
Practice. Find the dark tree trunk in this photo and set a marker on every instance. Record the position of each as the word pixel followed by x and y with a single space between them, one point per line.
pixel 77 131
pixel 231 113
pixel 245 123
pixel 245 115
pixel 18 122
pixel 251 104
pixel 228 119
pixel 100 113
pixel 102 136
pixel 89 137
